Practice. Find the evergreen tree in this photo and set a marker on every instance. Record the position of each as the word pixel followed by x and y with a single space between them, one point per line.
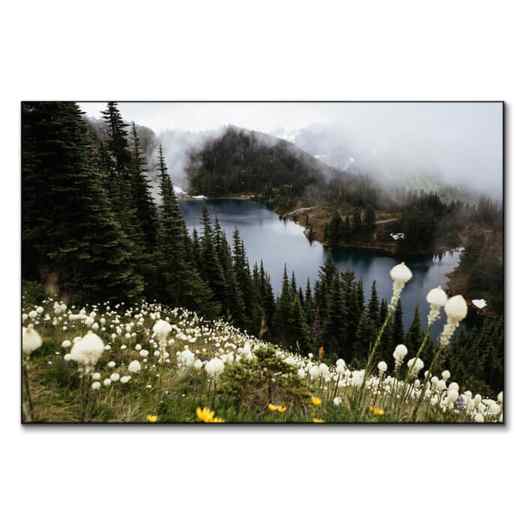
pixel 373 305
pixel 244 277
pixel 147 255
pixel 234 303
pixel 182 283
pixel 414 335
pixel 309 307
pixel 336 319
pixel 141 191
pixel 119 176
pixel 212 271
pixel 283 309
pixel 398 333
pixel 69 229
pixel 363 339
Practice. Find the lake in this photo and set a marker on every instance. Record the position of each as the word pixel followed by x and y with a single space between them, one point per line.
pixel 277 242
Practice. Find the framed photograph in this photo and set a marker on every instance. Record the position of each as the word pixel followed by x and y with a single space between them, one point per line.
pixel 262 262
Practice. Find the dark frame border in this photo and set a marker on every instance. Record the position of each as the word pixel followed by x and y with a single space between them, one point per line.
pixel 503 426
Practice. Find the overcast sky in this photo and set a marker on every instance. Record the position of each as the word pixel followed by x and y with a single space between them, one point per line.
pixel 462 140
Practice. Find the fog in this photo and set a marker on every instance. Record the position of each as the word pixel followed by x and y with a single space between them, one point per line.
pixel 458 143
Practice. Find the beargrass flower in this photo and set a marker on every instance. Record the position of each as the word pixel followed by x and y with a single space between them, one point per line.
pixel 400 274
pixel 456 310
pixel 399 354
pixel 87 351
pixel 382 367
pixel 437 299
pixel 115 376
pixel 161 330
pixel 214 367
pixel 96 385
pixel 31 340
pixel 134 367
pixel 415 365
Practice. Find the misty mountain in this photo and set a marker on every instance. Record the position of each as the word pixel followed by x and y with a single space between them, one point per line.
pixel 244 161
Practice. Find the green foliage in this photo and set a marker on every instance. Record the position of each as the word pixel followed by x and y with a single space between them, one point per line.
pixel 252 384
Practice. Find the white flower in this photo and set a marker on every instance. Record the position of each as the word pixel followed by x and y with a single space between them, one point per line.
pixel 67 357
pixel 66 344
pixel 478 418
pixel 437 297
pixel 134 367
pixel 445 375
pixel 401 274
pixel 382 367
pixel 125 379
pixel 161 329
pixel 186 358
pixel 399 354
pixel 112 364
pixel 143 353
pixel 31 340
pixel 115 376
pixel 456 309
pixel 107 382
pixel 214 367
pixel 88 350
pixel 95 376
pixel 197 364
pixel 452 396
pixel 324 370
pixel 479 303
pixel 314 372
pixel 500 397
pixel 96 385
pixel 416 365
pixel 358 376
pixel 337 401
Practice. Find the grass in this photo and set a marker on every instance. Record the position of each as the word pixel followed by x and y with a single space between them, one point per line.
pixel 256 376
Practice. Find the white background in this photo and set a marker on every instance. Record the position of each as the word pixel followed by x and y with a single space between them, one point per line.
pixel 261 50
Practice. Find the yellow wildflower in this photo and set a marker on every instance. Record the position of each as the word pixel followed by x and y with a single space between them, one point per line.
pixel 316 401
pixel 376 411
pixel 208 416
pixel 277 408
pixel 317 420
pixel 152 419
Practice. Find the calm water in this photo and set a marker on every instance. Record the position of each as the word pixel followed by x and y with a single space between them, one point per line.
pixel 278 242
